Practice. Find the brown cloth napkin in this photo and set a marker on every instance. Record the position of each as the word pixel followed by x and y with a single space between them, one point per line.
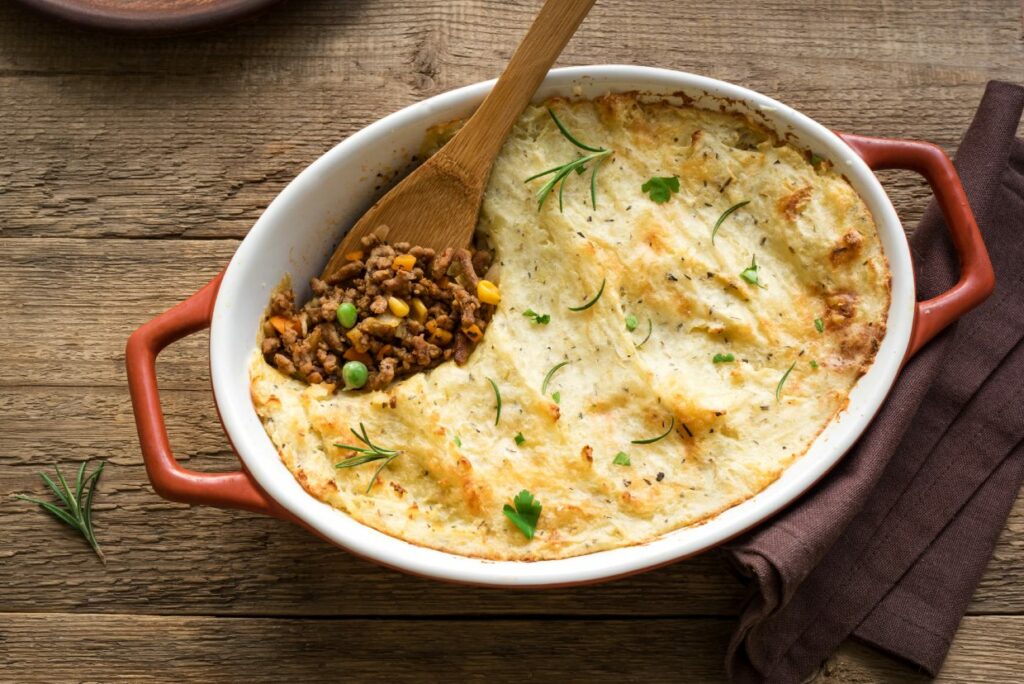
pixel 889 547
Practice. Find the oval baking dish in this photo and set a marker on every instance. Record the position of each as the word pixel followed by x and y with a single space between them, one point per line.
pixel 299 228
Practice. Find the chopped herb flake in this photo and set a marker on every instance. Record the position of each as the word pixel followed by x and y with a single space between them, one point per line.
pixel 519 439
pixel 723 358
pixel 622 459
pixel 557 396
pixel 538 319
pixel 819 325
pixel 631 322
pixel 814 364
pixel 458 442
pixel 750 273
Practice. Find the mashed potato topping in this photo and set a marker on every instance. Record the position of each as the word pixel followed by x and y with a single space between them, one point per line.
pixel 713 368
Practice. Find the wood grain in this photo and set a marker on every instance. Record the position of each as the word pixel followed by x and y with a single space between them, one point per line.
pixel 194 136
pixel 107 647
pixel 130 168
pixel 172 558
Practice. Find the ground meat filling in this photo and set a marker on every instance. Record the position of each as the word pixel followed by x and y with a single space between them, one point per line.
pixel 415 310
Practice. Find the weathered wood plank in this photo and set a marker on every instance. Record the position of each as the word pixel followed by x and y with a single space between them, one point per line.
pixel 106 647
pixel 193 136
pixel 171 558
pixel 986 649
pixel 85 297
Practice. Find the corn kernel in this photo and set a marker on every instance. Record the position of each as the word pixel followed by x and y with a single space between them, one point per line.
pixel 488 292
pixel 404 262
pixel 419 310
pixel 398 307
pixel 354 256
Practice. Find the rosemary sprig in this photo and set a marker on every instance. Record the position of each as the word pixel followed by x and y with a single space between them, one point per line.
pixel 562 171
pixel 371 452
pixel 77 511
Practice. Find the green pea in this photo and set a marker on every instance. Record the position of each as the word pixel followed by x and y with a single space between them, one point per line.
pixel 354 374
pixel 347 314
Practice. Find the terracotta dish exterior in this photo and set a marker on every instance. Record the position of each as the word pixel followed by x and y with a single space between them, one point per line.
pixel 150 16
pixel 298 230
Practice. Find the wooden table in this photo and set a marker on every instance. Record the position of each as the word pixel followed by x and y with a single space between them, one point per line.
pixel 129 170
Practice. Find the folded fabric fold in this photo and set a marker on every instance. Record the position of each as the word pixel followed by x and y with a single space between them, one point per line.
pixel 891 545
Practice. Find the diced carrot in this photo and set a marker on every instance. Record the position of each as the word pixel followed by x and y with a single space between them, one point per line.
pixel 473 332
pixel 353 355
pixel 281 323
pixel 354 256
pixel 404 262
pixel 441 335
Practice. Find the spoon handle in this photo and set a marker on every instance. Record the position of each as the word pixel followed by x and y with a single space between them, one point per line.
pixel 474 148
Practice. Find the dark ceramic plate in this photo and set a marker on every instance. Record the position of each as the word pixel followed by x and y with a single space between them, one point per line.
pixel 153 16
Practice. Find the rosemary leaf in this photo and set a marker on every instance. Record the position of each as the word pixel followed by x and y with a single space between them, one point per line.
pixel 592 301
pixel 652 440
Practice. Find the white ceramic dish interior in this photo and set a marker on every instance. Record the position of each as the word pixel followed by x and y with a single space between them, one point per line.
pixel 299 229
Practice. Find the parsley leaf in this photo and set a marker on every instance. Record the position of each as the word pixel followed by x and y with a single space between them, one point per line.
pixel 538 319
pixel 519 439
pixel 660 188
pixel 622 459
pixel 723 358
pixel 819 325
pixel 525 514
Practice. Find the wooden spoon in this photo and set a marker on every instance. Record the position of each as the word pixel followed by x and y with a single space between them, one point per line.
pixel 438 203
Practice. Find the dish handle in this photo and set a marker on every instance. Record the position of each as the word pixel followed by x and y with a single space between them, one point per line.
pixel 977 278
pixel 170 480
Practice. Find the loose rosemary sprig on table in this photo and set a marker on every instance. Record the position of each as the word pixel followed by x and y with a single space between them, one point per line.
pixel 371 452
pixel 77 510
pixel 579 165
